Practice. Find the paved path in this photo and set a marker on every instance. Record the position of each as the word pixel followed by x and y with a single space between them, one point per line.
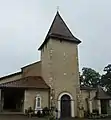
pixel 21 117
pixel 17 117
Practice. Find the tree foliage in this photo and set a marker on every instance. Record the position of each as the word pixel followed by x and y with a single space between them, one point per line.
pixel 106 78
pixel 89 77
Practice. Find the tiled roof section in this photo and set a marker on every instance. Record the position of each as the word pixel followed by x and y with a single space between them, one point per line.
pixel 27 82
pixel 101 94
pixel 60 30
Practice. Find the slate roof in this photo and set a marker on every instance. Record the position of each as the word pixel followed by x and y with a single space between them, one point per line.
pixel 101 94
pixel 60 30
pixel 27 82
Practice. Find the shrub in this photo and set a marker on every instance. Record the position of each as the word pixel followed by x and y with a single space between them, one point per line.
pixel 46 111
pixel 96 111
pixel 26 112
pixel 51 118
pixel 86 114
pixel 30 110
pixel 39 113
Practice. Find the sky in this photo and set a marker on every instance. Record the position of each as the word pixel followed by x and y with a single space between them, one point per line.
pixel 25 23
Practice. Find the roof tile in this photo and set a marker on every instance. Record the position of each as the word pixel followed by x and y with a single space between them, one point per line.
pixel 27 82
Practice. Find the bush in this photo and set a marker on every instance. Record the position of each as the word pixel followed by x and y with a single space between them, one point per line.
pixel 26 111
pixel 39 113
pixel 51 118
pixel 46 111
pixel 30 110
pixel 86 114
pixel 96 111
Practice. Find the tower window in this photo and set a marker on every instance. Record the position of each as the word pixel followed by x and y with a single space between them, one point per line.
pixel 51 51
pixel 65 56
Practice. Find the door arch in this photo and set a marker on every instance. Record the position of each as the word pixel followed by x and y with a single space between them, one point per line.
pixel 65 106
pixel 61 100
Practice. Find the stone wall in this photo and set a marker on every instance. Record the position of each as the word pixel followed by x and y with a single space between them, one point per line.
pixel 10 78
pixel 60 68
pixel 32 70
pixel 30 96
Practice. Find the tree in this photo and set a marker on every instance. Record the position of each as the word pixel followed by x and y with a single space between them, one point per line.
pixel 89 77
pixel 106 78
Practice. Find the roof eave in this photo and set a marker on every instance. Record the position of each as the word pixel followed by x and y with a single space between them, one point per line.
pixel 31 64
pixel 60 38
pixel 10 75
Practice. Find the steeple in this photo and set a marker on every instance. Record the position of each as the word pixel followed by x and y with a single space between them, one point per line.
pixel 59 30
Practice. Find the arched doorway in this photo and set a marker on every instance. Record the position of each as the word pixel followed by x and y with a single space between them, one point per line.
pixel 67 96
pixel 65 106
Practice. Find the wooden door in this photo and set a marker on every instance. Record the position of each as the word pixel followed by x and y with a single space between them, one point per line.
pixel 65 106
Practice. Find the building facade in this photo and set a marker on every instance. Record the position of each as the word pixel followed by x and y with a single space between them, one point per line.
pixel 51 82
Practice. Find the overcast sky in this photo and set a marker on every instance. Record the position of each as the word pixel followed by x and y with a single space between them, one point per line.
pixel 24 24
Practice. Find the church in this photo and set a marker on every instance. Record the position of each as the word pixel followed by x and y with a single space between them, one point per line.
pixel 54 80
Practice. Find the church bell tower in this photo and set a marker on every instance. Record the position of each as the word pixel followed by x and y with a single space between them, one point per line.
pixel 60 69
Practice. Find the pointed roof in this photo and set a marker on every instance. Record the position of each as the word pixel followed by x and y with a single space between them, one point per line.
pixel 101 94
pixel 60 30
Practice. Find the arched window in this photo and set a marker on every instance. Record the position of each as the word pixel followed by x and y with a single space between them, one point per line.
pixel 38 102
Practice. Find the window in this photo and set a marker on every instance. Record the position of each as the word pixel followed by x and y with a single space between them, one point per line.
pixel 50 53
pixel 51 50
pixel 65 55
pixel 38 102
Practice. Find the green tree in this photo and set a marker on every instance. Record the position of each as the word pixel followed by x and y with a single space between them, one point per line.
pixel 89 77
pixel 106 78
